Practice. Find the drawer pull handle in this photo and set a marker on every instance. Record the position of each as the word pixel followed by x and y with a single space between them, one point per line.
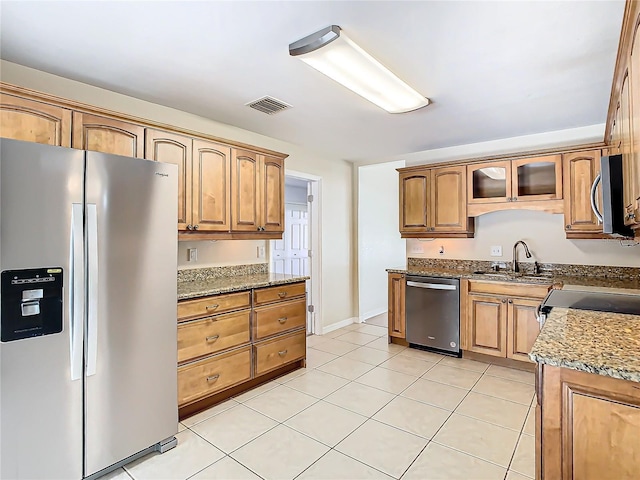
pixel 282 319
pixel 213 378
pixel 282 353
pixel 213 338
pixel 282 294
pixel 212 307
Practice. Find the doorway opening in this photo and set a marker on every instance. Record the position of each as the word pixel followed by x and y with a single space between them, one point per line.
pixel 299 253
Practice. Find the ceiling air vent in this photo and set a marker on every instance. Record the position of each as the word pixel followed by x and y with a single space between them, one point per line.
pixel 268 105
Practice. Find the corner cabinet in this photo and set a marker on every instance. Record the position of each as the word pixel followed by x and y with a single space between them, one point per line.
pixel 395 309
pixel 524 183
pixel 587 426
pixel 433 203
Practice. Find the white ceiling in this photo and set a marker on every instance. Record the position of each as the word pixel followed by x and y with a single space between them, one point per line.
pixel 492 69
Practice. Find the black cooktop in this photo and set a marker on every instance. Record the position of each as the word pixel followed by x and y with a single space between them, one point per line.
pixel 598 301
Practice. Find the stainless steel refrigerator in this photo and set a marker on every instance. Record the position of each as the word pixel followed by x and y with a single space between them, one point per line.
pixel 88 254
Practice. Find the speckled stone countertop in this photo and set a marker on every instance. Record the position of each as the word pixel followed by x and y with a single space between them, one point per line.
pixel 559 275
pixel 596 342
pixel 215 285
pixel 546 279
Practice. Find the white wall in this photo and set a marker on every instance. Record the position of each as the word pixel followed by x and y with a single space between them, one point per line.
pixel 379 243
pixel 543 233
pixel 218 253
pixel 336 206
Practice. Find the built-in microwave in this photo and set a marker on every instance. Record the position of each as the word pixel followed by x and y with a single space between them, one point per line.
pixel 612 215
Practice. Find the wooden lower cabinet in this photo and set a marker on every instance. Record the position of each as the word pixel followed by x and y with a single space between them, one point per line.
pixel 227 343
pixel 274 319
pixel 588 426
pixel 499 318
pixel 199 379
pixel 396 307
pixel 210 335
pixel 487 325
pixel 272 354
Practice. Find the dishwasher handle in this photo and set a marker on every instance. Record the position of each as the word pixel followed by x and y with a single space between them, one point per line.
pixel 432 286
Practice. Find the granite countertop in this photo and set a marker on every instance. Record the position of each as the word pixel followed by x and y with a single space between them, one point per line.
pixel 596 342
pixel 506 276
pixel 212 286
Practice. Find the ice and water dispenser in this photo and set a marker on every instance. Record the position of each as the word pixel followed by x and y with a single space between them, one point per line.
pixel 32 303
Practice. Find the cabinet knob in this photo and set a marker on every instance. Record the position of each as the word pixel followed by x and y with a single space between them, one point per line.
pixel 189 227
pixel 510 301
pixel 195 227
pixel 504 300
pixel 568 227
pixel 508 199
pixel 515 199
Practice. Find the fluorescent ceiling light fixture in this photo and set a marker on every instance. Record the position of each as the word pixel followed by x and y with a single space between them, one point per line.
pixel 331 52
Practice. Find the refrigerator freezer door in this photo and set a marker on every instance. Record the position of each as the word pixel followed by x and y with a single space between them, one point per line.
pixel 131 349
pixel 41 406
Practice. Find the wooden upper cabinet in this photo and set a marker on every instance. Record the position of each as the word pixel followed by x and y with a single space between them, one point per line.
pixel 396 306
pixel 538 178
pixel 169 147
pixel 211 186
pixel 107 135
pixel 449 199
pixel 489 182
pixel 487 324
pixel 580 170
pixel 522 327
pixel 415 189
pixel 272 194
pixel 31 121
pixel 245 193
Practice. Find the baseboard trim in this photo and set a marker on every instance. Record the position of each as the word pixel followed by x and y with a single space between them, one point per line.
pixel 342 323
pixel 372 313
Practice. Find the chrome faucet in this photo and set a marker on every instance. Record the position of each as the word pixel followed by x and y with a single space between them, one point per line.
pixel 514 264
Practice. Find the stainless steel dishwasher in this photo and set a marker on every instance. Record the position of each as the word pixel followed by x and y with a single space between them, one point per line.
pixel 432 307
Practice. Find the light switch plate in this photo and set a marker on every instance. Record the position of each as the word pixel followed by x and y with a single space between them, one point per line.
pixel 192 254
pixel 496 250
pixel 260 252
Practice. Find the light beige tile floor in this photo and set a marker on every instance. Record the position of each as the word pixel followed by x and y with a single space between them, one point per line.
pixel 362 409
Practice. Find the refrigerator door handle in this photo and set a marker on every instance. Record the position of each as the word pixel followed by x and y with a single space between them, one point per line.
pixel 76 302
pixel 92 284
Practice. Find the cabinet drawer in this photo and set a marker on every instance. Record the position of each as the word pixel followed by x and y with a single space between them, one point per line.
pixel 272 354
pixel 205 307
pixel 509 289
pixel 205 377
pixel 211 335
pixel 275 294
pixel 279 318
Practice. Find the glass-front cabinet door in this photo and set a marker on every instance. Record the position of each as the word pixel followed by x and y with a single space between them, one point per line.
pixel 489 182
pixel 537 178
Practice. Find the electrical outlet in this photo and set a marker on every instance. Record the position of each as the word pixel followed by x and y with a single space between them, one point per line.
pixel 441 251
pixel 261 252
pixel 496 250
pixel 192 254
pixel 416 247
